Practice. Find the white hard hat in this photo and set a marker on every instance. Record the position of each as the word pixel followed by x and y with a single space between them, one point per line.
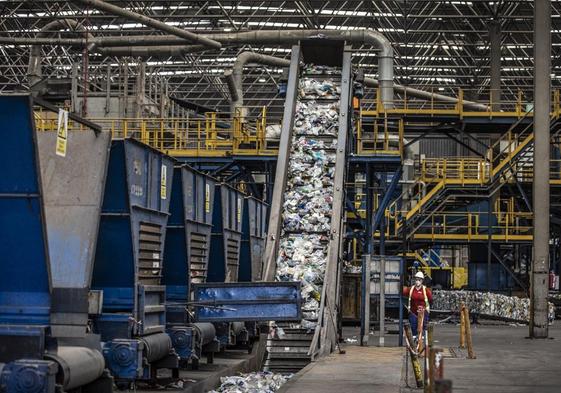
pixel 420 275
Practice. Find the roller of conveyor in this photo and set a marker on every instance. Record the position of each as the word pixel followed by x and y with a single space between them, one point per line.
pixel 206 332
pixel 156 346
pixel 77 366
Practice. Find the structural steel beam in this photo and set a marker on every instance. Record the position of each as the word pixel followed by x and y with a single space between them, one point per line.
pixel 495 55
pixel 542 85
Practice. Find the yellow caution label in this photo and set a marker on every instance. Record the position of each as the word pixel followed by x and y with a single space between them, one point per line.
pixel 163 182
pixel 207 198
pixel 62 133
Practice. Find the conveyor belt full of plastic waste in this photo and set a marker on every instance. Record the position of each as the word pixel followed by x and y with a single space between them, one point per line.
pixel 305 223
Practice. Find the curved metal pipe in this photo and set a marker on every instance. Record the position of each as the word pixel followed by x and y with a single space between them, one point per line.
pixel 426 95
pixel 234 78
pixel 156 24
pixel 34 68
pixel 369 37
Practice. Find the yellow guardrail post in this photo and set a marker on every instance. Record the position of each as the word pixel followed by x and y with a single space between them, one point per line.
pixel 359 133
pixel 386 134
pixel 401 132
pixel 518 105
pixel 199 140
pixel 379 106
pixel 461 103
pixel 175 136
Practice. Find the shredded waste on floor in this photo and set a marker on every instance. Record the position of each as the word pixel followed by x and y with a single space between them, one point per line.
pixel 256 382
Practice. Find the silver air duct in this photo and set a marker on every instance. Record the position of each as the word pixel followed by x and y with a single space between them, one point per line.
pixel 34 69
pixel 147 21
pixel 234 78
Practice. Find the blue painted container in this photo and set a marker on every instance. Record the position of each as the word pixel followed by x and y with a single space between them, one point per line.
pixel 24 275
pixel 261 301
pixel 130 248
pixel 50 200
pixel 254 235
pixel 189 230
pixel 226 234
pixel 49 216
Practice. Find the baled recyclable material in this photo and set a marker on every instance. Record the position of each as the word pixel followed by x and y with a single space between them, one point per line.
pixel 510 308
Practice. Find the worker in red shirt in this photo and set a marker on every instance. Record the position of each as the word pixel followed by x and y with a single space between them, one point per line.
pixel 419 299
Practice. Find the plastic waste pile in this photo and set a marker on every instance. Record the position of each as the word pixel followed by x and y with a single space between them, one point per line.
pixel 273 131
pixel 308 199
pixel 257 382
pixel 510 308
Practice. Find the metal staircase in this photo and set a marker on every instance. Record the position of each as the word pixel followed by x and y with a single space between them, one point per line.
pixel 443 183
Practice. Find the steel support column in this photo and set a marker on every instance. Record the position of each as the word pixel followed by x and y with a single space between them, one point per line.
pixel 495 57
pixel 542 86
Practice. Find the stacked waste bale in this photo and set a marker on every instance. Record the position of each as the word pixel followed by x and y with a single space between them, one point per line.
pixel 509 308
pixel 308 199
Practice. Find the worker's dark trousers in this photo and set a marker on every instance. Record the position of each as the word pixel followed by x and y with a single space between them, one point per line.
pixel 413 322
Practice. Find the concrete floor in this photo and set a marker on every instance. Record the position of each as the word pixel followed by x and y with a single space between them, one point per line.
pixel 360 369
pixel 506 360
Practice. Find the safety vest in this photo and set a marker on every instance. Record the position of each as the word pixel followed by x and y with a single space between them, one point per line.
pixel 427 305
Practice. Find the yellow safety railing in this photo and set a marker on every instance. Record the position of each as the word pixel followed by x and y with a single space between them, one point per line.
pixel 206 136
pixel 211 136
pixel 466 226
pixel 520 106
pixel 464 170
pixel 379 136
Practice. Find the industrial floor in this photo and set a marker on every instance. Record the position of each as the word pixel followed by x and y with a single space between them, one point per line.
pixel 506 360
pixel 360 369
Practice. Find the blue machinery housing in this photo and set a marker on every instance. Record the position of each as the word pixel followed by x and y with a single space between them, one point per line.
pixel 226 234
pixel 187 254
pixel 254 235
pixel 92 248
pixel 129 263
pixel 50 211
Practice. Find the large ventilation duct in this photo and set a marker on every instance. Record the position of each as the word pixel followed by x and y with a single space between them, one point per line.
pixel 156 24
pixel 278 37
pixel 148 51
pixel 165 45
pixel 234 77
pixel 426 95
pixel 34 74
